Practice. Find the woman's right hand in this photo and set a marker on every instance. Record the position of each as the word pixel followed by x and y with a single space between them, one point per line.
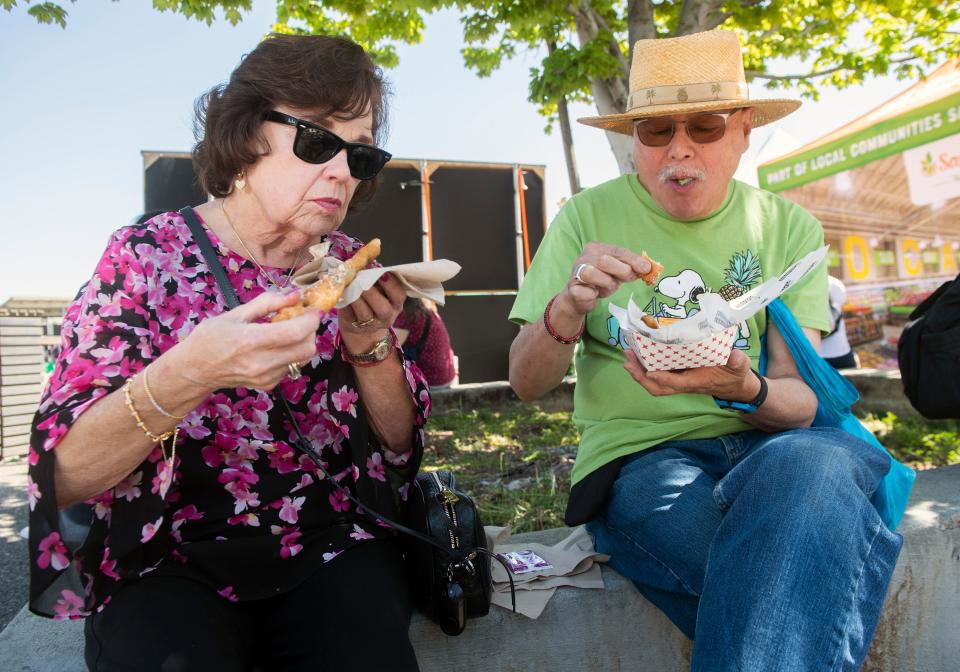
pixel 604 268
pixel 235 350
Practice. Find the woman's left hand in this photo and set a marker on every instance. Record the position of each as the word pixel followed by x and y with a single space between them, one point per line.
pixel 364 321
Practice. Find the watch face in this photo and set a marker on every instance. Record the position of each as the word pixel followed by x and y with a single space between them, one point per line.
pixel 382 349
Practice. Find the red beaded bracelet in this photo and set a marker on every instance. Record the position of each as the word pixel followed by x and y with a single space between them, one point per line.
pixel 553 332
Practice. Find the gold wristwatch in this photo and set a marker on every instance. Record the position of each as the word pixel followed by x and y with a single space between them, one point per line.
pixel 377 353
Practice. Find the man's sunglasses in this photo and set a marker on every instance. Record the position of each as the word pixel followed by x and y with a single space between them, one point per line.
pixel 702 128
pixel 314 144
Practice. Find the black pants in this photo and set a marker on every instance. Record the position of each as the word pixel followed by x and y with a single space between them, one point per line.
pixel 352 614
pixel 847 361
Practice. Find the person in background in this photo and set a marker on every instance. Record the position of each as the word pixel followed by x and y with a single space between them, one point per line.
pixel 835 348
pixel 425 341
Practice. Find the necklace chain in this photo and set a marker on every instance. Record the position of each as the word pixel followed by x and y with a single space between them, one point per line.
pixel 280 286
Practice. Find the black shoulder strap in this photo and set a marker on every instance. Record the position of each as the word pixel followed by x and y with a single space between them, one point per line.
pixel 210 256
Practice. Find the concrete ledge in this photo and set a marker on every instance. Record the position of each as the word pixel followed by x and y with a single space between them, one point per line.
pixel 616 629
pixel 497 395
pixel 880 391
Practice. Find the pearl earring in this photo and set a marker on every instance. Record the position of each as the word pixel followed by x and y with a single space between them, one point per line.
pixel 241 181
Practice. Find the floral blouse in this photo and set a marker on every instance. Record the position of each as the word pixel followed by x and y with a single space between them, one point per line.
pixel 242 511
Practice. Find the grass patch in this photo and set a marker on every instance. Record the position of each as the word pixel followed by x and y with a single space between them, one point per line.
pixel 923 444
pixel 516 463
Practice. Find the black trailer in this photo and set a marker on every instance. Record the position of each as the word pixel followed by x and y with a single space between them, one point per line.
pixel 488 217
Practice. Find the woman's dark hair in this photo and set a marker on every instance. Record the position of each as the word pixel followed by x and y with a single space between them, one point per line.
pixel 331 76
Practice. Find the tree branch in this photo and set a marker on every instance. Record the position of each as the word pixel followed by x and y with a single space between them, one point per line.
pixel 614 46
pixel 640 25
pixel 689 18
pixel 764 75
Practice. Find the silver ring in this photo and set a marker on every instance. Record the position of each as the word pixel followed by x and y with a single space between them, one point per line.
pixel 294 370
pixel 578 271
pixel 360 324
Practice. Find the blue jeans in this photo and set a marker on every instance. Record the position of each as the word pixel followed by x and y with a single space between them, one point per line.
pixel 762 548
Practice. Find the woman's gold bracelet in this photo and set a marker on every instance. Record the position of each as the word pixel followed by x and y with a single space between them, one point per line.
pixel 160 409
pixel 136 416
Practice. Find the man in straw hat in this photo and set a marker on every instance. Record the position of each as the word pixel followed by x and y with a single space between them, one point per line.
pixel 752 531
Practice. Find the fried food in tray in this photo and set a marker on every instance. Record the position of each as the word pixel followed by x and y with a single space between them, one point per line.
pixel 650 321
pixel 327 290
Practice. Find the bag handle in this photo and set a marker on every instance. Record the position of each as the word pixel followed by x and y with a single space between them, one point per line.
pixel 302 443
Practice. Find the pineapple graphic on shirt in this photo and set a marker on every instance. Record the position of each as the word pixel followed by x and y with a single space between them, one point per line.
pixel 742 273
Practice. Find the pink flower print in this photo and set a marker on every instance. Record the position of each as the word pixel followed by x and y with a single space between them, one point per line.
pixel 127 488
pixel 283 458
pixel 305 480
pixel 193 426
pixel 33 457
pixel 55 431
pixel 344 400
pixel 102 504
pixel 398 459
pixel 327 557
pixel 148 531
pixel 245 519
pixel 53 553
pixel 290 510
pixel 404 492
pixel 68 606
pixel 375 467
pixel 339 501
pixel 294 389
pixel 227 593
pixel 243 498
pixel 288 545
pixel 108 567
pixel 33 493
pixel 359 533
pixel 164 478
pixel 113 353
pixel 188 512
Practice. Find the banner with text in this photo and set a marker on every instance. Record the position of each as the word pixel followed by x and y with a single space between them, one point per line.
pixel 923 125
pixel 933 171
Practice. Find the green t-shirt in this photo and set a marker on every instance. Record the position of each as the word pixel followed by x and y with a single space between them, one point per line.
pixel 754 236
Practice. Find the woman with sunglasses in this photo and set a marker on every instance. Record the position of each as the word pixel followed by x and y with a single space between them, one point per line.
pixel 212 543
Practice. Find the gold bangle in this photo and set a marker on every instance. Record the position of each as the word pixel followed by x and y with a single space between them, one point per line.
pixel 160 409
pixel 127 386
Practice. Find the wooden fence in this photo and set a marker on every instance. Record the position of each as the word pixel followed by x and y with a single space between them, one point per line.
pixel 21 377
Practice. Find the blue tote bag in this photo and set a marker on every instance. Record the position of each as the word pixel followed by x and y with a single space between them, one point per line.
pixel 836 395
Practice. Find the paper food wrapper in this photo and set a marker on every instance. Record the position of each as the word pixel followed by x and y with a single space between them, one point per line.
pixel 706 338
pixel 422 279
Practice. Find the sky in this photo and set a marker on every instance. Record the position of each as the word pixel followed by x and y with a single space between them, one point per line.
pixel 79 105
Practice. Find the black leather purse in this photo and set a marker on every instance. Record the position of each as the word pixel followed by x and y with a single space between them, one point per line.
pixel 453 583
pixel 445 547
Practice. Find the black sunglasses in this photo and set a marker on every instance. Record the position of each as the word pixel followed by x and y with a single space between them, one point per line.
pixel 314 144
pixel 702 128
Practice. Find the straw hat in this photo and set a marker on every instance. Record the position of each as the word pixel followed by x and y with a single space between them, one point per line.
pixel 695 73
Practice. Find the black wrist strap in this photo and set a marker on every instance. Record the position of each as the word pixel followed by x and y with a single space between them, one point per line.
pixel 762 394
pixel 303 443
